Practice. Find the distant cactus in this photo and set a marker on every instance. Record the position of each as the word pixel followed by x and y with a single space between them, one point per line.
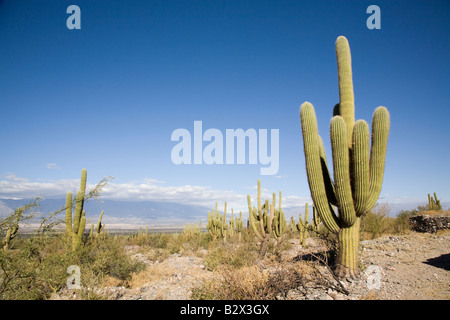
pixel 11 223
pixel 11 234
pixel 100 226
pixel 76 230
pixel 232 224
pixel 358 166
pixel 292 225
pixel 192 229
pixel 265 220
pixel 239 225
pixel 279 221
pixel 303 226
pixel 217 223
pixel 434 203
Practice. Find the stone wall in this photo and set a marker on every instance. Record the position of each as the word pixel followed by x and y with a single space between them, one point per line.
pixel 430 222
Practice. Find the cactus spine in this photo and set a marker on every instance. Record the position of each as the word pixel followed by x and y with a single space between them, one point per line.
pixel 76 230
pixel 358 169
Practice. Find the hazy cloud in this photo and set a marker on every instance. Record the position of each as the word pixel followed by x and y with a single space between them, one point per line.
pixel 13 187
pixel 11 176
pixel 53 166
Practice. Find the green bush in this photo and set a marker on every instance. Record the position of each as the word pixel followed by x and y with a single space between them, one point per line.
pixel 37 266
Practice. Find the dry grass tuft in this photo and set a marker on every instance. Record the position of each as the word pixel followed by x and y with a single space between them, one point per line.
pixel 265 281
pixel 152 273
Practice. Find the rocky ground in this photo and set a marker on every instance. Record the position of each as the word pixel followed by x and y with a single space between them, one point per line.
pixel 414 266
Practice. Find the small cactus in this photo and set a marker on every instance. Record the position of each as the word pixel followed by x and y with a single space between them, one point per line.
pixel 303 226
pixel 76 230
pixel 239 225
pixel 100 226
pixel 434 203
pixel 191 229
pixel 279 221
pixel 10 234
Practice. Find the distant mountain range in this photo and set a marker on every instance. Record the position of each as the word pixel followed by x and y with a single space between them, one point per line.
pixel 125 214
pixel 154 214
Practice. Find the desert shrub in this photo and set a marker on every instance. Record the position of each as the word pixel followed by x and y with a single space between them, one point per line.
pixel 401 222
pixel 106 257
pixel 376 222
pixel 37 266
pixel 232 253
pixel 33 271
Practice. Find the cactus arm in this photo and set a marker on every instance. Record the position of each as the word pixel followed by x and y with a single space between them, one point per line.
pixel 360 166
pixel 341 169
pixel 314 167
pixel 253 218
pixel 81 229
pixel 78 210
pixel 83 181
pixel 329 186
pixel 100 226
pixel 345 79
pixel 279 201
pixel 380 133
pixel 7 240
pixel 69 212
pixel 271 217
pixel 91 233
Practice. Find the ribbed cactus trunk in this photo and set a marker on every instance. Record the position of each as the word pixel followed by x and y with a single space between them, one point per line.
pixel 358 166
pixel 347 260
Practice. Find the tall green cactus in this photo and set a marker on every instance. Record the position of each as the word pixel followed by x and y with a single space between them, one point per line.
pixel 76 230
pixel 358 167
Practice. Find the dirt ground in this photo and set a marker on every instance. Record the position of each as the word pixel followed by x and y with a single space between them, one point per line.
pixel 414 266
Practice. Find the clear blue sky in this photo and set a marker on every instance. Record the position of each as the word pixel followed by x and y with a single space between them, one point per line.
pixel 107 97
